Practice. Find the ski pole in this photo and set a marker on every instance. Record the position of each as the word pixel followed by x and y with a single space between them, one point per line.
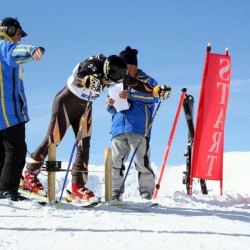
pixel 157 187
pixel 133 155
pixel 75 145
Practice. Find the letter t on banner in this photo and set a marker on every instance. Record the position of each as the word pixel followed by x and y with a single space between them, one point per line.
pixel 207 160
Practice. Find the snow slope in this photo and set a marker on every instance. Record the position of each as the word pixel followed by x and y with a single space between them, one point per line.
pixel 178 222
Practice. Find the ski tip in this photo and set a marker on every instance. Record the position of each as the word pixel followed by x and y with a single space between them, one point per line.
pixel 93 204
pixel 155 204
pixel 68 191
pixel 43 203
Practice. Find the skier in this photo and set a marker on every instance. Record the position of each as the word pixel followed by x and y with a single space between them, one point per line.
pixel 89 79
pixel 128 128
pixel 13 106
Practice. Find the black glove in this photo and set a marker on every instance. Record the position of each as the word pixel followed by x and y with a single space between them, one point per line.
pixel 163 92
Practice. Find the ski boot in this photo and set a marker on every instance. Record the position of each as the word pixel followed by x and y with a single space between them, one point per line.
pixel 81 195
pixel 32 183
pixel 146 196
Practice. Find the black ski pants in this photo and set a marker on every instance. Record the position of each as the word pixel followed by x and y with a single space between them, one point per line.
pixel 67 111
pixel 12 156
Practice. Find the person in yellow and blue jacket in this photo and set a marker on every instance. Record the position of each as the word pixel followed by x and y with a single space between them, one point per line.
pixel 13 105
pixel 128 128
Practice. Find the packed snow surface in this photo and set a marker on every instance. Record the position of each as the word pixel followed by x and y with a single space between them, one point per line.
pixel 178 222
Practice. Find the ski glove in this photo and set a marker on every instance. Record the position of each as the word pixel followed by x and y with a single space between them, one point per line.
pixel 91 82
pixel 163 92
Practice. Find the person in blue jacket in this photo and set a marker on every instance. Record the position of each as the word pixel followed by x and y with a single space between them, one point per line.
pixel 13 105
pixel 128 128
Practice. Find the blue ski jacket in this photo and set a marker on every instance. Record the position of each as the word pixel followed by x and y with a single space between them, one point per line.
pixel 13 105
pixel 138 117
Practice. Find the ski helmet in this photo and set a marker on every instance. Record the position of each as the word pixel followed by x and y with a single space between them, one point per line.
pixel 115 69
pixel 12 25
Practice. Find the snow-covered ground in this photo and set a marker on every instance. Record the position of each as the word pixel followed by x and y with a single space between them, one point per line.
pixel 178 222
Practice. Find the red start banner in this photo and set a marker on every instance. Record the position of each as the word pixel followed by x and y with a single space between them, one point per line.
pixel 207 160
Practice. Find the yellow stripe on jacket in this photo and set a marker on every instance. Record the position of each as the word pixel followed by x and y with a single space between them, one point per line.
pixel 2 97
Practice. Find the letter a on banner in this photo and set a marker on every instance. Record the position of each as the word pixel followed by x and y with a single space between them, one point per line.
pixel 207 160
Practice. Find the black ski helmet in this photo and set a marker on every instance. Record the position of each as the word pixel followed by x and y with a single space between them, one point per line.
pixel 115 69
pixel 12 25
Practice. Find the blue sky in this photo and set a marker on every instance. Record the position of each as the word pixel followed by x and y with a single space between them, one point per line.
pixel 171 37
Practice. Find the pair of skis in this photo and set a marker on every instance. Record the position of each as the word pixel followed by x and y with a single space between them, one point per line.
pixel 188 107
pixel 97 202
pixel 43 200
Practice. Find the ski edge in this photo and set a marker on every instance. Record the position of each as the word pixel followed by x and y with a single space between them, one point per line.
pixel 130 207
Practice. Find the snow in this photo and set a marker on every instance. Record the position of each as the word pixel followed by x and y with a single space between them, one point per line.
pixel 178 222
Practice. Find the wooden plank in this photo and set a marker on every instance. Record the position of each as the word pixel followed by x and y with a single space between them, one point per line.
pixel 108 174
pixel 51 175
